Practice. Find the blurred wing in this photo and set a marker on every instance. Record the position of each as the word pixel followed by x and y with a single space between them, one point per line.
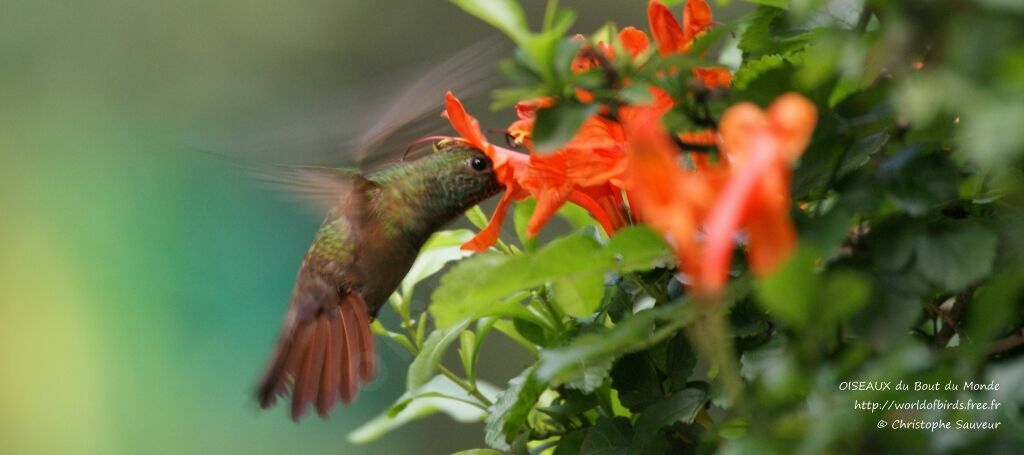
pixel 416 111
pixel 341 131
pixel 318 189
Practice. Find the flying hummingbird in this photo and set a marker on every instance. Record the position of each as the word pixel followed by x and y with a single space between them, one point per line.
pixel 375 224
pixel 373 230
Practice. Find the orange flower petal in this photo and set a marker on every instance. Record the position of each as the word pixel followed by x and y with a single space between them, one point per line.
pixel 705 137
pixel 489 234
pixel 466 125
pixel 696 19
pixel 794 118
pixel 548 202
pixel 771 239
pixel 604 203
pixel 713 77
pixel 634 41
pixel 665 29
pixel 731 207
pixel 738 125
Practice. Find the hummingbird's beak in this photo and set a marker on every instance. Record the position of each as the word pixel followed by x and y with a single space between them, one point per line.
pixel 436 141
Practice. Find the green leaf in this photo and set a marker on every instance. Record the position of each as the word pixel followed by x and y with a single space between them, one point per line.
pixel 577 217
pixel 956 255
pixel 478 452
pixel 751 69
pixel 991 131
pixel 477 217
pixel 843 293
pixel 569 363
pixel 680 360
pixel 523 212
pixel 637 380
pixel 557 124
pixel 993 307
pixel 504 15
pixel 682 406
pixel 608 436
pixel 440 249
pixel 472 288
pixel 570 444
pixel 789 293
pixel 784 4
pixel 757 35
pixel 425 363
pixel 427 401
pixel 581 296
pixel 591 377
pixel 467 353
pixel 507 418
pixel 918 182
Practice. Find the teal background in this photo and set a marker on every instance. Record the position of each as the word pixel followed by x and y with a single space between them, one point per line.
pixel 142 283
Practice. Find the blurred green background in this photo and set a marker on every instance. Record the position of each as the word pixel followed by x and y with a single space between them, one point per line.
pixel 141 284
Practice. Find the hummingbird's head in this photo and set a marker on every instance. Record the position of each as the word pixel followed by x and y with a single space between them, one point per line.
pixel 466 175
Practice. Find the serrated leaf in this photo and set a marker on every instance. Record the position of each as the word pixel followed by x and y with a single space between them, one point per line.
pixel 750 70
pixel 507 417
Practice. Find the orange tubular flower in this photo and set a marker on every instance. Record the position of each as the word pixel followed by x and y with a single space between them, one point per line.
pixel 666 197
pixel 580 173
pixel 508 165
pixel 675 39
pixel 634 41
pixel 761 145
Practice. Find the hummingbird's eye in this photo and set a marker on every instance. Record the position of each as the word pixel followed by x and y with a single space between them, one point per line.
pixel 478 164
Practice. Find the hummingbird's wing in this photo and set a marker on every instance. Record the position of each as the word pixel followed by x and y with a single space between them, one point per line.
pixel 342 132
pixel 415 112
pixel 321 189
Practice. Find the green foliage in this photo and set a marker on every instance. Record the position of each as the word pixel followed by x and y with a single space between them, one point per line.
pixel 907 204
pixel 557 124
pixel 437 395
pixel 481 286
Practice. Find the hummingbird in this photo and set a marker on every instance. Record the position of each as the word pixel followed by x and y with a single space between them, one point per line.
pixel 375 225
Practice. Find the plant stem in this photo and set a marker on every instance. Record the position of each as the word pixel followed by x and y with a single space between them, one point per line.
pixel 449 397
pixel 655 293
pixel 470 389
pixel 555 315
